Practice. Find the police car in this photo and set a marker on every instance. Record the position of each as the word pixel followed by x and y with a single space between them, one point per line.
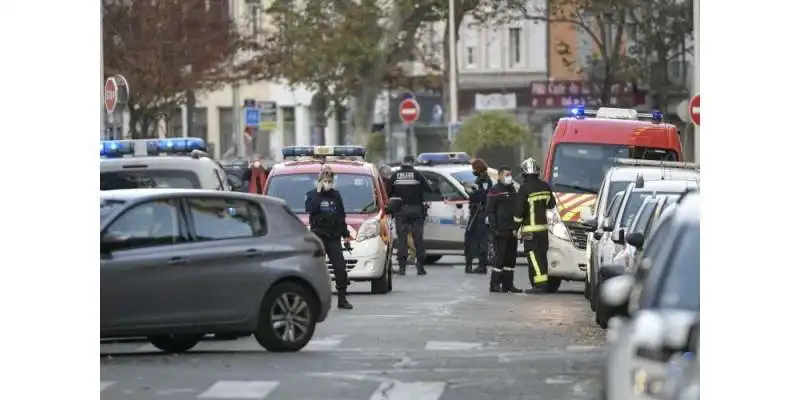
pixel 159 163
pixel 364 201
pixel 446 223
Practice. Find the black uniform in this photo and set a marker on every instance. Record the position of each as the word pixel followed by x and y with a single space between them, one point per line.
pixel 530 211
pixel 410 186
pixel 500 212
pixel 476 240
pixel 327 219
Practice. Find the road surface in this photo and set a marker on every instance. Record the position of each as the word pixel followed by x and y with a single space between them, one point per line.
pixel 439 336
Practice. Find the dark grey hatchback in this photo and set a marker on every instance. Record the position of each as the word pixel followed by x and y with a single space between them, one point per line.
pixel 177 264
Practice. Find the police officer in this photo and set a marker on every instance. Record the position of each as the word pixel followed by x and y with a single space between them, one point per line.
pixel 409 186
pixel 530 211
pixel 476 241
pixel 500 212
pixel 326 213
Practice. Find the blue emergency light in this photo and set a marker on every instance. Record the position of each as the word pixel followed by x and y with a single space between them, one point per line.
pixel 115 148
pixel 444 158
pixel 578 111
pixel 175 146
pixel 324 151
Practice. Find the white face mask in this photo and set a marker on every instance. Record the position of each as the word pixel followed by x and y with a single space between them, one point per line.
pixel 506 179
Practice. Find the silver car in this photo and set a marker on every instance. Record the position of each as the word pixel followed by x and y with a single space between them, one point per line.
pixel 177 264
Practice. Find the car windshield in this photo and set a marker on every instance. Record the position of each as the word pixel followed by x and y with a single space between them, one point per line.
pixel 358 193
pixel 644 215
pixel 108 207
pixel 681 284
pixel 467 177
pixel 581 167
pixel 149 178
pixel 635 201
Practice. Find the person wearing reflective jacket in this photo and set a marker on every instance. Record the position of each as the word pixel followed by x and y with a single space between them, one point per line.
pixel 530 214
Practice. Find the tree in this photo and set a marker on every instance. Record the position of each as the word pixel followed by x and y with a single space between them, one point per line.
pixel 347 49
pixel 490 129
pixel 165 48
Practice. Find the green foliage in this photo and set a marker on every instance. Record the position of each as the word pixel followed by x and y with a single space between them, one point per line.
pixel 490 129
pixel 376 146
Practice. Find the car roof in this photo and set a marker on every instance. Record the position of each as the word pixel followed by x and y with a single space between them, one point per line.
pixel 688 210
pixel 154 161
pixel 630 172
pixel 148 193
pixel 676 185
pixel 315 166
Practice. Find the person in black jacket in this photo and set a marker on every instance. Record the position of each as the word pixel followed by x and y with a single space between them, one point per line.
pixel 500 212
pixel 410 186
pixel 326 216
pixel 530 212
pixel 476 240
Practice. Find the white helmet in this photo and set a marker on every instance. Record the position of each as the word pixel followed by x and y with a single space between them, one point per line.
pixel 529 166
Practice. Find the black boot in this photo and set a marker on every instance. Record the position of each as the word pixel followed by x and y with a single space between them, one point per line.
pixel 481 268
pixel 401 270
pixel 343 303
pixel 495 280
pixel 421 269
pixel 468 267
pixel 508 281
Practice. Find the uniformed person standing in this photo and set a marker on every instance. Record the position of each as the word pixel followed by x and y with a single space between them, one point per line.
pixel 409 186
pixel 476 240
pixel 530 211
pixel 500 212
pixel 326 216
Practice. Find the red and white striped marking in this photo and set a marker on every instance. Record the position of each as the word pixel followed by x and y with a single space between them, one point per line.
pixel 694 110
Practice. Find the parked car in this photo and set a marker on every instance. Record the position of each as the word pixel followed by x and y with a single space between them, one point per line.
pixel 177 264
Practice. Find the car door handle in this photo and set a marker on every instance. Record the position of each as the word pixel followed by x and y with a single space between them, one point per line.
pixel 177 261
pixel 252 253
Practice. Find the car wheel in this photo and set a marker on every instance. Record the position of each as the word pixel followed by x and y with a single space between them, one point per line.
pixel 174 343
pixel 381 285
pixel 432 259
pixel 552 285
pixel 601 316
pixel 287 318
pixel 594 294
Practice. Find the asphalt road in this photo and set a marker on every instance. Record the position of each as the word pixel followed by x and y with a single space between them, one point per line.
pixel 439 336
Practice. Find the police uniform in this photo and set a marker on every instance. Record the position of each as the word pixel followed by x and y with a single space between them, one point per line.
pixel 500 213
pixel 530 212
pixel 409 186
pixel 326 214
pixel 476 239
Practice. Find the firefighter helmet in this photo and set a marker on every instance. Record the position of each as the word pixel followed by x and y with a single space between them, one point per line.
pixel 529 166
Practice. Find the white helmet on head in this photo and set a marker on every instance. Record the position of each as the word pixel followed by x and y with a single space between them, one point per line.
pixel 529 166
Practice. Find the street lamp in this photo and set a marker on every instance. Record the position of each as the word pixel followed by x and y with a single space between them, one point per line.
pixel 451 20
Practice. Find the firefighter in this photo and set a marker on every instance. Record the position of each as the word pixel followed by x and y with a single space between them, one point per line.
pixel 325 209
pixel 500 212
pixel 530 213
pixel 409 186
pixel 476 240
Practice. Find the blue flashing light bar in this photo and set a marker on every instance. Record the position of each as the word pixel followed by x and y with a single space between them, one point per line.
pixel 115 148
pixel 324 151
pixel 444 158
pixel 578 111
pixel 175 146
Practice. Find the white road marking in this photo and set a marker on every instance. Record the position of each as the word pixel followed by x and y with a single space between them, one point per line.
pixel 579 347
pixel 409 391
pixel 558 380
pixel 105 385
pixel 326 343
pixel 239 390
pixel 451 346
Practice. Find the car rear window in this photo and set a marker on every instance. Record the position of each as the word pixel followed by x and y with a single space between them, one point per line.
pixel 109 206
pixel 357 190
pixel 149 178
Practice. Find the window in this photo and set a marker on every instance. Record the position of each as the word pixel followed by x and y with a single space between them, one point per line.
pixel 515 46
pixel 613 207
pixel 108 207
pixel 470 56
pixel 469 177
pixel 153 223
pixel 640 222
pixel 680 284
pixel 175 124
pixel 445 188
pixel 199 123
pixel 227 147
pixel 149 178
pixel 288 126
pixel 357 190
pixel 217 218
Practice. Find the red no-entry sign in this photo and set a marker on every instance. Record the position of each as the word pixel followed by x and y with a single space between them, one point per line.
pixel 110 93
pixel 694 110
pixel 409 111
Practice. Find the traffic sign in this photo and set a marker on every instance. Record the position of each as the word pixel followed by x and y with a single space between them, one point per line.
pixel 252 117
pixel 409 111
pixel 694 109
pixel 452 131
pixel 110 90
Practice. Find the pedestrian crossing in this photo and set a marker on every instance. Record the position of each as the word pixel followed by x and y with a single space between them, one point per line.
pixel 385 389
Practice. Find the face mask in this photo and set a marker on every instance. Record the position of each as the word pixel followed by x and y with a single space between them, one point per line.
pixel 507 179
pixel 475 173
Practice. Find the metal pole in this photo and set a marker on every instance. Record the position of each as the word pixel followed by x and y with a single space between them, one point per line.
pixel 238 133
pixel 696 70
pixel 387 127
pixel 102 80
pixel 453 64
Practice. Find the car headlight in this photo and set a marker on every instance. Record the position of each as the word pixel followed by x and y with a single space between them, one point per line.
pixel 645 384
pixel 556 226
pixel 368 230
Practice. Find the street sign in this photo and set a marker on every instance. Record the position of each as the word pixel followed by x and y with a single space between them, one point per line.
pixel 269 115
pixel 694 109
pixel 110 91
pixel 409 111
pixel 252 117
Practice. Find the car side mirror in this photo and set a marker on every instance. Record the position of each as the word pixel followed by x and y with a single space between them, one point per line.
pixel 608 225
pixel 616 291
pixel 609 271
pixel 590 224
pixel 635 239
pixel 597 235
pixel 618 236
pixel 693 338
